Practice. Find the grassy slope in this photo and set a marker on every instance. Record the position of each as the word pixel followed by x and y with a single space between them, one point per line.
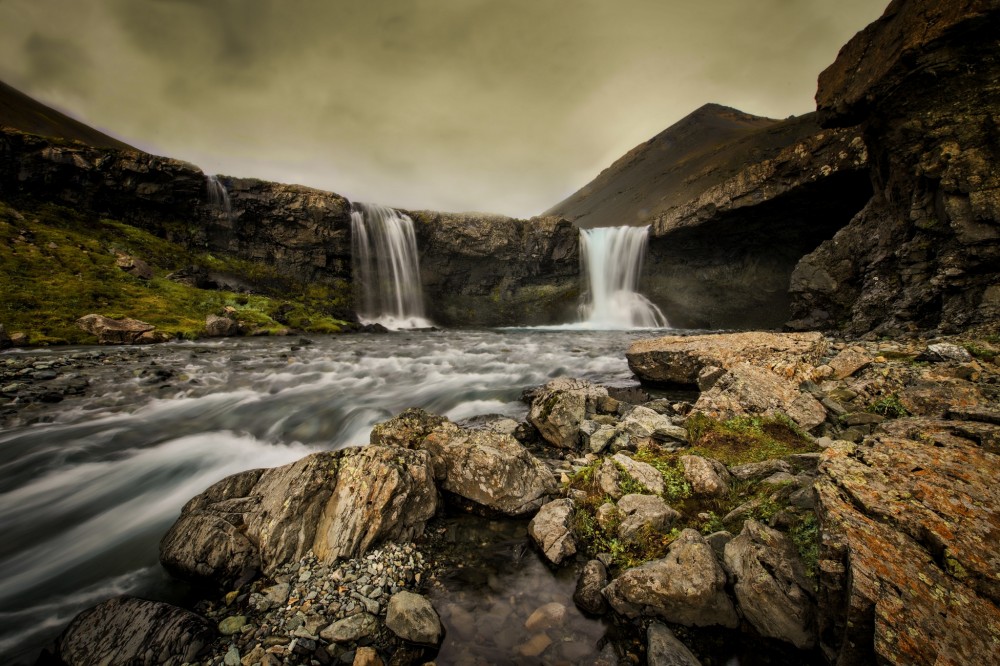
pixel 56 266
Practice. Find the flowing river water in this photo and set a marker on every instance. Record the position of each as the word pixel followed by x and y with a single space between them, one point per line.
pixel 89 485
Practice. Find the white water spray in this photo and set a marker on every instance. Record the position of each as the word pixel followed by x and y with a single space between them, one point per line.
pixel 387 268
pixel 612 261
pixel 218 196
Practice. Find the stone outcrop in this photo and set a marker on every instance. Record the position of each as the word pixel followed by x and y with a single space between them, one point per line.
pixel 907 556
pixel 644 513
pixel 119 331
pixel 551 529
pixel 126 630
pixel 771 587
pixel 490 270
pixel 587 594
pixel 924 251
pixel 337 504
pixel 685 587
pixel 560 407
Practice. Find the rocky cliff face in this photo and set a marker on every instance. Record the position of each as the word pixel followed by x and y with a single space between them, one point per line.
pixel 490 270
pixel 925 250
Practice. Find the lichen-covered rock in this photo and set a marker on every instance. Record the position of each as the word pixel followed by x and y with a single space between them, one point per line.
pixel 848 361
pixel 644 473
pixel 561 406
pixel 413 618
pixel 337 504
pixel 221 327
pixel 759 470
pixel 644 426
pixel 907 555
pixel 118 331
pixel 551 528
pixel 644 512
pixel 126 630
pixel 685 587
pixel 489 468
pixel 771 588
pixel 587 594
pixel 407 429
pixel 708 478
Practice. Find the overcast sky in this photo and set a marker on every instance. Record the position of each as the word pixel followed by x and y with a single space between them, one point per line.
pixel 503 106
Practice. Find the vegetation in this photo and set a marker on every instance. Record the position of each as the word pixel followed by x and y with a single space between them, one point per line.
pixel 981 352
pixel 745 439
pixel 59 265
pixel 889 406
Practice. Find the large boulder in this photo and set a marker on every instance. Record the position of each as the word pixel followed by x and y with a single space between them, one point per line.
pixel 489 468
pixel 221 327
pixel 412 617
pixel 771 588
pixel 685 587
pixel 552 530
pixel 643 427
pixel 708 478
pixel 908 559
pixel 644 513
pixel 559 407
pixel 587 594
pixel 119 331
pixel 126 631
pixel 338 504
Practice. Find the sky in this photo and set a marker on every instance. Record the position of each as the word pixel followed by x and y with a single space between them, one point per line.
pixel 503 106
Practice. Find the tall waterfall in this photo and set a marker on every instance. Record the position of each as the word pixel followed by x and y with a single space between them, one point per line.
pixel 218 196
pixel 386 267
pixel 612 260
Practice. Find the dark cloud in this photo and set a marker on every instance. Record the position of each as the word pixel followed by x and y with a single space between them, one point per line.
pixel 452 104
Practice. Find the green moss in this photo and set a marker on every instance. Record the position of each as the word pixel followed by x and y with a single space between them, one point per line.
pixel 805 535
pixel 676 486
pixel 59 265
pixel 981 352
pixel 746 439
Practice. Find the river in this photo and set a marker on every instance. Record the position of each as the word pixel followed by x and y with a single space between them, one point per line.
pixel 90 484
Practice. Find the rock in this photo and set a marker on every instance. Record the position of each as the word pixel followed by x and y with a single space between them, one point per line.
pixel 559 408
pixel 598 439
pixel 908 552
pixel 759 470
pixel 945 351
pixel 608 479
pixel 408 429
pixel 276 595
pixel 663 648
pixel 708 478
pixel 535 646
pixel 367 656
pixel 644 427
pixel 489 468
pixel 339 504
pixel 350 629
pixel 848 361
pixel 5 341
pixel 115 331
pixel 644 512
pixel 644 473
pixel 680 359
pixel 771 587
pixel 778 479
pixel 587 595
pixel 686 587
pixel 232 657
pixel 412 617
pixel 747 389
pixel 607 515
pixel 551 528
pixel 552 614
pixel 135 267
pixel 232 624
pixel 221 327
pixel 126 630
pixel 718 541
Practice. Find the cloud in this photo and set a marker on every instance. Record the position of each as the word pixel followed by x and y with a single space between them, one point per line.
pixel 449 104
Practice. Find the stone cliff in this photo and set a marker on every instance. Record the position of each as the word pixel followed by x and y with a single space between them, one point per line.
pixel 924 252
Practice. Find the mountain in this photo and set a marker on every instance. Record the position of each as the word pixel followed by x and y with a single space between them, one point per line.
pixel 698 152
pixel 21 112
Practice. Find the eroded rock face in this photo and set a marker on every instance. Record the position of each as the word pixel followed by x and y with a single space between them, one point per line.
pixel 551 528
pixel 924 251
pixel 909 527
pixel 561 406
pixel 126 630
pixel 338 504
pixel 771 588
pixel 687 586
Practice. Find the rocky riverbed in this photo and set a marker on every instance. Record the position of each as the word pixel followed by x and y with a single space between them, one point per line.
pixel 806 493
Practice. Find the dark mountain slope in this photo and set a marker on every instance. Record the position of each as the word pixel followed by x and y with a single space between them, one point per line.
pixel 21 112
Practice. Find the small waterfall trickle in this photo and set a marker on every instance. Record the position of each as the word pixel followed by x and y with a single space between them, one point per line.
pixel 218 196
pixel 386 267
pixel 612 261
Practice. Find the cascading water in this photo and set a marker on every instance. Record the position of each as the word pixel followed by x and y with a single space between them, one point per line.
pixel 612 261
pixel 218 196
pixel 386 267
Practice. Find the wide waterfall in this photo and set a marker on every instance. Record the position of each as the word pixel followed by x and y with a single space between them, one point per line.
pixel 612 261
pixel 386 267
pixel 218 196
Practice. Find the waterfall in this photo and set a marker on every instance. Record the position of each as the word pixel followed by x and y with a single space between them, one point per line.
pixel 612 261
pixel 218 197
pixel 386 267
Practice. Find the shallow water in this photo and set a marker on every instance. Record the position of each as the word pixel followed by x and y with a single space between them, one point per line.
pixel 89 485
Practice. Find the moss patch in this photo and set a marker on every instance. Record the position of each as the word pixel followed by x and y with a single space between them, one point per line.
pixel 58 265
pixel 746 439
